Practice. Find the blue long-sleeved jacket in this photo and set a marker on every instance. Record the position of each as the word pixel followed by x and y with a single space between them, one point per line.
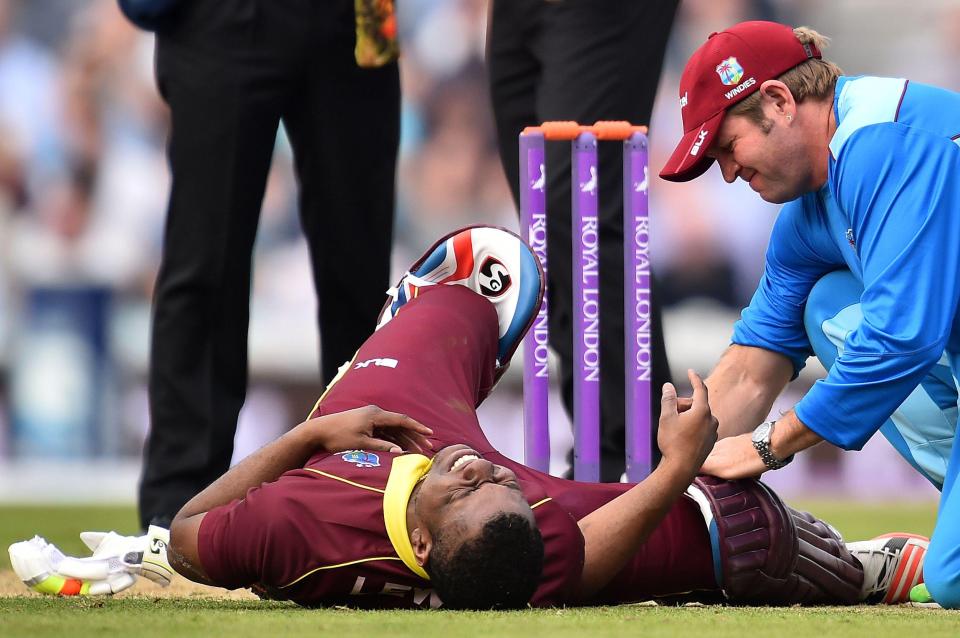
pixel 890 212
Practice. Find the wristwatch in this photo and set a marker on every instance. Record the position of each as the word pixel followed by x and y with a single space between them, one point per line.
pixel 761 441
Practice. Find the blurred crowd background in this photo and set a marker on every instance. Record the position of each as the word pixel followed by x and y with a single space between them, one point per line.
pixel 83 187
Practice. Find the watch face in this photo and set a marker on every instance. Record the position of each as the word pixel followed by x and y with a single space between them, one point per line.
pixel 762 433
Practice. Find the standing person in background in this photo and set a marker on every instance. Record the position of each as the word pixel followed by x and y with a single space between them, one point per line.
pixel 583 61
pixel 231 71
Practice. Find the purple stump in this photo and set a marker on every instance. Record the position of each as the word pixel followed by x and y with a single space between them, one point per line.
pixel 536 378
pixel 636 307
pixel 586 310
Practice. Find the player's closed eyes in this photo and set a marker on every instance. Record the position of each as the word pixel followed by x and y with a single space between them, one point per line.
pixel 462 492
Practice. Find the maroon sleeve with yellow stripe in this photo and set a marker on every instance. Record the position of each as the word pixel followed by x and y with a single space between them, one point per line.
pixel 317 536
pixel 308 536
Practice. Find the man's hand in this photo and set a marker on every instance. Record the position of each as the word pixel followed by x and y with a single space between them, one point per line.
pixel 613 532
pixel 366 428
pixel 733 458
pixel 688 429
pixel 369 428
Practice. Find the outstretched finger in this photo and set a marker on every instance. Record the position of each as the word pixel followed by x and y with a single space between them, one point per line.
pixel 408 441
pixel 413 432
pixel 668 399
pixel 387 419
pixel 382 445
pixel 700 395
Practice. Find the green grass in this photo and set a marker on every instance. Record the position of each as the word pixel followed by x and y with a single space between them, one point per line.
pixel 61 525
pixel 189 617
pixel 859 521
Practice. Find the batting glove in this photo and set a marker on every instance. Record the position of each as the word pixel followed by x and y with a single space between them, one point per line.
pixel 114 566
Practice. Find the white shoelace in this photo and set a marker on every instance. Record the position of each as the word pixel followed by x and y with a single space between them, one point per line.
pixel 879 566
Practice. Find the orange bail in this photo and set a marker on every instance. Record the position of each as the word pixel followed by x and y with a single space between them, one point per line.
pixel 603 129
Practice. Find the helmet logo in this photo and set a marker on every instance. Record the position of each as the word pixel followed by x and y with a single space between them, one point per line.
pixel 493 278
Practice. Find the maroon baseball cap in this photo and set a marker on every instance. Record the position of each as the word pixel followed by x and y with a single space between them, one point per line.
pixel 728 67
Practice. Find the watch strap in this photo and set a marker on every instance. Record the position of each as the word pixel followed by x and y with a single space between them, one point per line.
pixel 766 453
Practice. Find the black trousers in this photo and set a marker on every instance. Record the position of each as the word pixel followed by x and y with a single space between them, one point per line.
pixel 582 60
pixel 231 71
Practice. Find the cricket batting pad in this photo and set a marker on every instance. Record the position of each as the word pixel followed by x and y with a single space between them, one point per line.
pixel 770 554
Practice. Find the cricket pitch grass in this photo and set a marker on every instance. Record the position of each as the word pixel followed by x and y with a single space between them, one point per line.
pixel 186 610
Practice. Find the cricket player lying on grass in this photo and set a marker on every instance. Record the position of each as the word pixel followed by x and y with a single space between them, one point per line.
pixel 334 512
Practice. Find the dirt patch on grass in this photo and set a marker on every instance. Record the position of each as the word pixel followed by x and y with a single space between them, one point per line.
pixel 10 585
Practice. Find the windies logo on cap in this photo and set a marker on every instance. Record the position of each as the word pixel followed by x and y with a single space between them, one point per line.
pixel 730 71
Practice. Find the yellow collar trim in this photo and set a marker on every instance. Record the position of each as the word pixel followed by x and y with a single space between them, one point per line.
pixel 406 472
pixel 541 502
pixel 346 564
pixel 343 480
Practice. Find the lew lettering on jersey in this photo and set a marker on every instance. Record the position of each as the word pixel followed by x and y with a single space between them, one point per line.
pixel 421 597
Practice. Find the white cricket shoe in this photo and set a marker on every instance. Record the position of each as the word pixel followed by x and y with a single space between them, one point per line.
pixel 892 566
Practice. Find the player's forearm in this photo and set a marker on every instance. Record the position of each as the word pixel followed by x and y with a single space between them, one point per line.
pixel 614 533
pixel 182 552
pixel 790 436
pixel 744 385
pixel 289 452
pixel 367 427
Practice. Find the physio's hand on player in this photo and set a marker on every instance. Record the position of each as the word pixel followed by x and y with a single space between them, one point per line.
pixel 370 428
pixel 733 458
pixel 114 566
pixel 688 428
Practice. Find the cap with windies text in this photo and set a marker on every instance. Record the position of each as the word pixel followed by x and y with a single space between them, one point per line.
pixel 728 67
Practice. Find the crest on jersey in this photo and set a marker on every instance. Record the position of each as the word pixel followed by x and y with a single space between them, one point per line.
pixel 493 278
pixel 850 239
pixel 730 71
pixel 360 458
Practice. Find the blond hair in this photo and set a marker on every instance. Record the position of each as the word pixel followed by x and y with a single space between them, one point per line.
pixel 814 79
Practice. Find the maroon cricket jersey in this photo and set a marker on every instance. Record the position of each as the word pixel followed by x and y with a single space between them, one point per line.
pixel 317 535
pixel 676 559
